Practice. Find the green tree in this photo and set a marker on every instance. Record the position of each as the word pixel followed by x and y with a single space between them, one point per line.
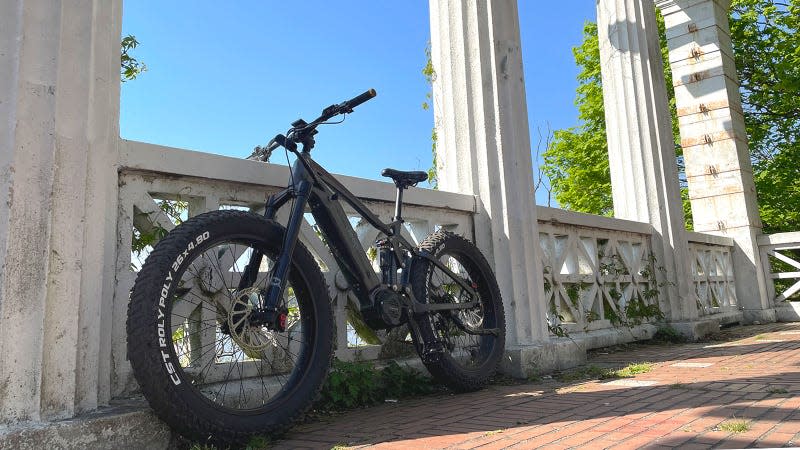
pixel 577 159
pixel 767 48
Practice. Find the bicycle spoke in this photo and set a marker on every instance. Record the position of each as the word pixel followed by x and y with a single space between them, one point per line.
pixel 234 364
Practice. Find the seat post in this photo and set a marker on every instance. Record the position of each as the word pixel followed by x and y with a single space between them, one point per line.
pixel 398 206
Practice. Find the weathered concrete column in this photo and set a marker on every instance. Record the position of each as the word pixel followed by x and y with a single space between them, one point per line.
pixel 641 151
pixel 483 149
pixel 714 139
pixel 59 119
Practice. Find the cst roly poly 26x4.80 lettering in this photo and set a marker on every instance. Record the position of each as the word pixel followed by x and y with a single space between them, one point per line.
pixel 161 321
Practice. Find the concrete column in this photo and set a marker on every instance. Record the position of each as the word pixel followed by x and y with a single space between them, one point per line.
pixel 483 149
pixel 59 96
pixel 714 139
pixel 641 151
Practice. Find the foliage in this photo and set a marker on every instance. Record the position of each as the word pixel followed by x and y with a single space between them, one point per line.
pixel 554 318
pixel 642 306
pixel 255 443
pixel 131 67
pixel 590 372
pixel 631 370
pixel 356 384
pixel 667 334
pixel 577 158
pixel 777 390
pixel 766 42
pixel 430 76
pixel 399 381
pixel 141 239
pixel 767 50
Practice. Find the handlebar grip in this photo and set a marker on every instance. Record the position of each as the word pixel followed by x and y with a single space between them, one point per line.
pixel 355 101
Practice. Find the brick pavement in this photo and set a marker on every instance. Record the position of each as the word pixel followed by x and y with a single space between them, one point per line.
pixel 686 401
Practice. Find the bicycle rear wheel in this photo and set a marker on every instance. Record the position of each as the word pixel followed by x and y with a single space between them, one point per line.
pixel 469 360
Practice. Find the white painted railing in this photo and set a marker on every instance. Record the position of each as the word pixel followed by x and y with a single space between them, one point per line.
pixel 595 268
pixel 779 254
pixel 151 174
pixel 712 273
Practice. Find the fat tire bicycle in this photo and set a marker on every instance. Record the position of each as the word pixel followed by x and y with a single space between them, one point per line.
pixel 230 324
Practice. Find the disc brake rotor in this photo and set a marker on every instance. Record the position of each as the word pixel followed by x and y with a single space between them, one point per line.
pixel 253 339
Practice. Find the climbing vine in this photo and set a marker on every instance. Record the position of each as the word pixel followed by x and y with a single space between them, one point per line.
pixel 640 308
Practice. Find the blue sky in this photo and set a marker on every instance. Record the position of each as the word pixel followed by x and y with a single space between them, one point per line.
pixel 224 79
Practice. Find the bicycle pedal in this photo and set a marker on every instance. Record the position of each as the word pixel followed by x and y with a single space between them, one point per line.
pixel 432 354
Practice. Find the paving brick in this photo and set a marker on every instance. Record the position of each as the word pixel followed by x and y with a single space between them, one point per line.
pixel 593 415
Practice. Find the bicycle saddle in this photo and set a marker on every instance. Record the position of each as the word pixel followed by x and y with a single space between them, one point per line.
pixel 404 179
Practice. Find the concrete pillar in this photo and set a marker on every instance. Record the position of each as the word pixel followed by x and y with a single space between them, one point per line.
pixel 483 149
pixel 714 139
pixel 641 151
pixel 59 97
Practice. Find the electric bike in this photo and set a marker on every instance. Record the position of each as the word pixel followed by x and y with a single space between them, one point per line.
pixel 230 323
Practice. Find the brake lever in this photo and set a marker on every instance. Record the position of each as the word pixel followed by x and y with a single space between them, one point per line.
pixel 263 153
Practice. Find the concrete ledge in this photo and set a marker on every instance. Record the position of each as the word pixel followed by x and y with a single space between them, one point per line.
pixel 698 329
pixel 531 360
pixel 124 425
pixel 759 316
pixel 141 156
pixel 557 216
pixel 788 312
pixel 617 336
pixel 568 352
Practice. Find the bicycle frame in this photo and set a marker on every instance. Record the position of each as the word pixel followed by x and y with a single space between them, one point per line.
pixel 311 185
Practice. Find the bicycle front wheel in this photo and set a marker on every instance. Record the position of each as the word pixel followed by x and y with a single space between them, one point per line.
pixel 203 367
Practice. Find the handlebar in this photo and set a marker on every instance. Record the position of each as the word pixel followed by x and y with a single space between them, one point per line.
pixel 355 101
pixel 303 133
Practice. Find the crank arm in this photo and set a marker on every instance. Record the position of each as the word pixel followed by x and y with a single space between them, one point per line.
pixel 431 352
pixel 421 308
pixel 486 331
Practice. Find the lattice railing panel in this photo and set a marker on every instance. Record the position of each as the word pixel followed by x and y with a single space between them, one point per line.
pixel 712 277
pixel 593 278
pixel 780 254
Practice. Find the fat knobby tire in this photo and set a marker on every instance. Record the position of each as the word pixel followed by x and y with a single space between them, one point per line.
pixel 447 370
pixel 183 406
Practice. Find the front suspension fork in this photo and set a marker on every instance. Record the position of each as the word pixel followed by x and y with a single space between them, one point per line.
pixel 267 313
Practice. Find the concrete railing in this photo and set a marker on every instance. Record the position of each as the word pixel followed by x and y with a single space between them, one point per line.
pixel 598 271
pixel 153 177
pixel 595 268
pixel 712 273
pixel 779 254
